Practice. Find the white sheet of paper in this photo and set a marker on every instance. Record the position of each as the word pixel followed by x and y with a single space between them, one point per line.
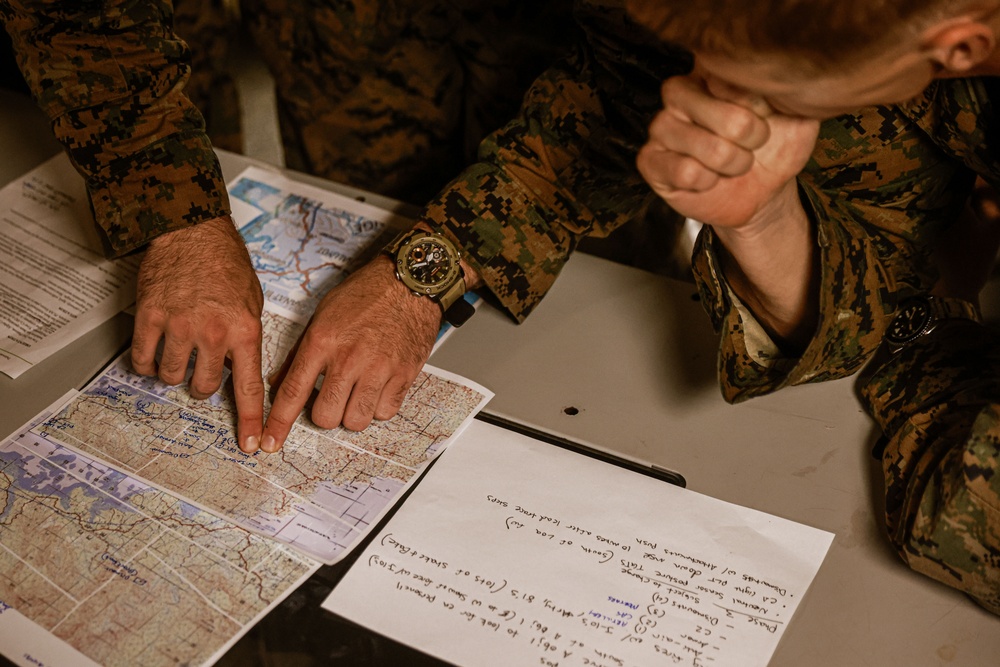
pixel 515 552
pixel 55 284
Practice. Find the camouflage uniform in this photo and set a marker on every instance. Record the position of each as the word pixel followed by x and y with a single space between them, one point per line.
pixel 110 76
pixel 393 96
pixel 880 186
pixel 210 28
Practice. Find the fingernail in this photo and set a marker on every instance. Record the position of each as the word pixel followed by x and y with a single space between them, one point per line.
pixel 251 444
pixel 268 444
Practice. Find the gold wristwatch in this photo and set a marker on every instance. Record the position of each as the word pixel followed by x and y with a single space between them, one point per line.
pixel 920 315
pixel 429 265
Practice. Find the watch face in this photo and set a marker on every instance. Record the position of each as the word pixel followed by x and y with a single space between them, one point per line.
pixel 910 322
pixel 427 264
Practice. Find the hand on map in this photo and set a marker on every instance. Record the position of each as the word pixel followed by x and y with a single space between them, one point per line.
pixel 197 290
pixel 369 338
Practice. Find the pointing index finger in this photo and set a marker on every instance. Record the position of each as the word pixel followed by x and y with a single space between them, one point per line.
pixel 248 389
pixel 289 400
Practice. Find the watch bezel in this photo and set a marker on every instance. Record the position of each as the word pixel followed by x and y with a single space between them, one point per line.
pixel 922 306
pixel 439 287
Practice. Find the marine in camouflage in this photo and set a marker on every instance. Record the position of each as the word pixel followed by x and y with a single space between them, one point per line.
pixel 938 404
pixel 881 185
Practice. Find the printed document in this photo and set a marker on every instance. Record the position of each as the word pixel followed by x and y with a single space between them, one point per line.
pixel 55 284
pixel 515 552
pixel 136 532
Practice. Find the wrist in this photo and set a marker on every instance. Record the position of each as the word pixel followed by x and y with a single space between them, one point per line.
pixel 472 278
pixel 429 264
pixel 222 225
pixel 772 265
pixel 774 220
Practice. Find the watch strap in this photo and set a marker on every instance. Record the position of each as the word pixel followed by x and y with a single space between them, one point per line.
pixel 459 312
pixel 933 310
pixel 455 308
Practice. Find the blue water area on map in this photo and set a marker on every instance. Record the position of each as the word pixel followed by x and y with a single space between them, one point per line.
pixel 253 192
pixel 37 476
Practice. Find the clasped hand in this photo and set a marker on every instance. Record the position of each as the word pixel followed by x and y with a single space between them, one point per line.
pixel 722 156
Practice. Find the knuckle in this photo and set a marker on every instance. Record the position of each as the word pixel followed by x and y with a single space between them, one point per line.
pixel 293 386
pixel 740 126
pixel 724 153
pixel 142 359
pixel 333 391
pixel 686 173
pixel 173 378
pixel 247 334
pixel 386 412
pixel 178 328
pixel 672 87
pixel 205 387
pixel 357 419
pixel 324 419
pixel 277 421
pixel 659 127
pixel 149 317
pixel 214 334
pixel 250 389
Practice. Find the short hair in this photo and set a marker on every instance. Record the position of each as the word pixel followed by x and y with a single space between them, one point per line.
pixel 824 33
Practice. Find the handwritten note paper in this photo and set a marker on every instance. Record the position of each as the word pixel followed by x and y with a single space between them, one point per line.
pixel 515 552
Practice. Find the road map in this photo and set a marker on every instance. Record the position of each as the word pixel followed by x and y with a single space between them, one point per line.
pixel 319 494
pixel 303 240
pixel 119 572
pixel 134 531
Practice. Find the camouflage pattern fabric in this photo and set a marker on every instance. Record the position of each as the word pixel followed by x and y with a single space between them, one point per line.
pixel 881 185
pixel 393 96
pixel 210 29
pixel 564 168
pixel 938 401
pixel 110 76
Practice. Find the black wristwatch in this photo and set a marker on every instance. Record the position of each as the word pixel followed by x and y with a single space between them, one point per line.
pixel 428 264
pixel 920 315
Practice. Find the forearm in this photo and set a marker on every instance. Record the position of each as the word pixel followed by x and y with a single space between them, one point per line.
pixel 771 264
pixel 938 403
pixel 110 79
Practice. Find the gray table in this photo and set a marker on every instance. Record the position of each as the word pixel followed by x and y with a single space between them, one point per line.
pixel 623 360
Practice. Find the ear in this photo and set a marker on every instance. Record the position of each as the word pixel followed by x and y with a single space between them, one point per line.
pixel 959 46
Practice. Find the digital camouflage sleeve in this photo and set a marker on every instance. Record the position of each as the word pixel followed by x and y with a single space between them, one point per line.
pixel 879 188
pixel 109 75
pixel 564 168
pixel 938 402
